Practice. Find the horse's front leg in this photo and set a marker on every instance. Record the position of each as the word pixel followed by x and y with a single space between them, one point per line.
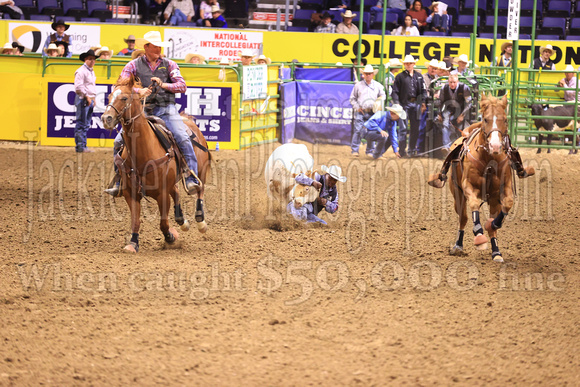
pixel 179 216
pixel 499 210
pixel 163 202
pixel 199 213
pixel 135 208
pixel 473 195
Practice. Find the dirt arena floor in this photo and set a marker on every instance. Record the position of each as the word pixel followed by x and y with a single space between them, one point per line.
pixel 372 299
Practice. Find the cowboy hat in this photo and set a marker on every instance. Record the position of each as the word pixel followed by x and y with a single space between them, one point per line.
pixel 246 52
pixel 60 23
pixel 394 62
pixel 263 57
pixel 443 66
pixel 378 105
pixel 216 8
pixel 462 58
pixel 7 46
pixel 189 56
pixel 409 59
pixel 398 110
pixel 224 61
pixel 433 63
pixel 547 47
pixel 506 45
pixel 153 37
pixel 130 38
pixel 18 46
pixel 103 49
pixel 84 55
pixel 569 69
pixel 51 47
pixel 433 4
pixel 368 69
pixel 326 15
pixel 137 53
pixel 348 13
pixel 334 171
pixel 338 64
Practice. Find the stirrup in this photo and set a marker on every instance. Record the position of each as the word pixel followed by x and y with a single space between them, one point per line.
pixel 114 191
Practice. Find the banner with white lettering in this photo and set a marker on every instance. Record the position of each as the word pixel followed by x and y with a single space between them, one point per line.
pixel 212 44
pixel 211 107
pixel 288 102
pixel 33 36
pixel 324 113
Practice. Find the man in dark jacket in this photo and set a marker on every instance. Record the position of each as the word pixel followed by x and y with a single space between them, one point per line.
pixel 455 102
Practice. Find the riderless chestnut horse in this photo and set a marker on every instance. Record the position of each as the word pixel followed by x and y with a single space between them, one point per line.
pixel 483 173
pixel 147 168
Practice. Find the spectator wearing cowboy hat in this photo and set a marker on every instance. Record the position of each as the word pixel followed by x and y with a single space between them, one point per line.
pixel 569 84
pixel 178 11
pixel 51 50
pixel 86 90
pixel 429 77
pixel 462 61
pixel 137 54
pixel 154 68
pixel 194 58
pixel 247 56
pixel 362 98
pixel 60 27
pixel 346 27
pixel 544 62
pixel 217 20
pixel 326 184
pixel 394 65
pixel 104 53
pixel 409 92
pixel 326 25
pixel 505 59
pixel 8 49
pixel 382 128
pixel 439 22
pixel 263 59
pixel 130 41
pixel 205 11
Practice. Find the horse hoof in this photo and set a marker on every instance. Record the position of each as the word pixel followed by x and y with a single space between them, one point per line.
pixel 456 250
pixel 174 233
pixel 498 258
pixel 202 227
pixel 539 151
pixel 185 225
pixel 479 240
pixel 131 248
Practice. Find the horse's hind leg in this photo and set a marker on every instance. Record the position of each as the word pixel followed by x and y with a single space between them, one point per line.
pixel 135 208
pixel 179 217
pixel 199 213
pixel 461 210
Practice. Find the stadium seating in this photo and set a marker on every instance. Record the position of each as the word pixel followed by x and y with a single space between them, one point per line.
pixel 469 8
pixel 489 35
pixel 99 9
pixel 297 29
pixel 461 34
pixel 49 7
pixel 391 22
pixel 74 8
pixel 465 23
pixel 40 17
pixel 91 19
pixel 302 18
pixel 553 26
pixel 526 24
pixel 574 28
pixel 559 8
pixel 27 7
pixel 314 5
pixel 548 37
pixel 501 24
pixel 434 33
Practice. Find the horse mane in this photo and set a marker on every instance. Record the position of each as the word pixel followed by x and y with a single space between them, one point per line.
pixel 130 81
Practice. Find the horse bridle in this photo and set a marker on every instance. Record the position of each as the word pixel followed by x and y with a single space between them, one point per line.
pixel 121 114
pixel 504 137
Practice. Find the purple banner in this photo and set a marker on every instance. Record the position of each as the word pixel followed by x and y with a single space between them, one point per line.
pixel 288 101
pixel 211 107
pixel 326 74
pixel 324 113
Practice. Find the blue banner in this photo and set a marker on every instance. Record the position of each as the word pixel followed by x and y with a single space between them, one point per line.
pixel 324 113
pixel 211 107
pixel 341 74
pixel 288 101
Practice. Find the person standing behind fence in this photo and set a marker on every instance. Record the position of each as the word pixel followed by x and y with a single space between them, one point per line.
pixel 86 90
pixel 409 92
pixel 428 77
pixel 362 98
pixel 455 102
pixel 569 84
pixel 544 62
pixel 394 65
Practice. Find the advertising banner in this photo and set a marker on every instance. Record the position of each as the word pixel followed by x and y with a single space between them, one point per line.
pixel 324 74
pixel 33 36
pixel 288 104
pixel 212 44
pixel 324 113
pixel 211 107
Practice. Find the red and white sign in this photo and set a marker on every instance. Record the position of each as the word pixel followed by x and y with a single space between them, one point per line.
pixel 270 16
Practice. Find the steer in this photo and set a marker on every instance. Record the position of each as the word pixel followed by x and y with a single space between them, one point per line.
pixel 551 124
pixel 284 164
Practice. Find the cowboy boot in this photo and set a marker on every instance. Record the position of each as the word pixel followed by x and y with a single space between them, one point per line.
pixel 518 166
pixel 115 186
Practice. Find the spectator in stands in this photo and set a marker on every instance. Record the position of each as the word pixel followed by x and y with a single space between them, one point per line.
pixel 18 49
pixel 462 61
pixel 178 11
pixel 409 91
pixel 130 41
pixel 362 98
pixel 8 49
pixel 194 58
pixel 217 19
pixel 428 77
pixel 9 7
pixel 137 53
pixel 394 67
pixel 407 29
pixel 346 27
pixel 445 67
pixel 247 57
pixel 355 69
pixel 60 27
pixel 399 7
pixel 205 11
pixel 438 22
pixel 222 73
pixel 569 84
pixel 382 128
pixel 326 24
pixel 263 59
pixel 51 50
pixel 86 91
pixel 505 59
pixel 104 53
pixel 455 102
pixel 418 13
pixel 544 62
